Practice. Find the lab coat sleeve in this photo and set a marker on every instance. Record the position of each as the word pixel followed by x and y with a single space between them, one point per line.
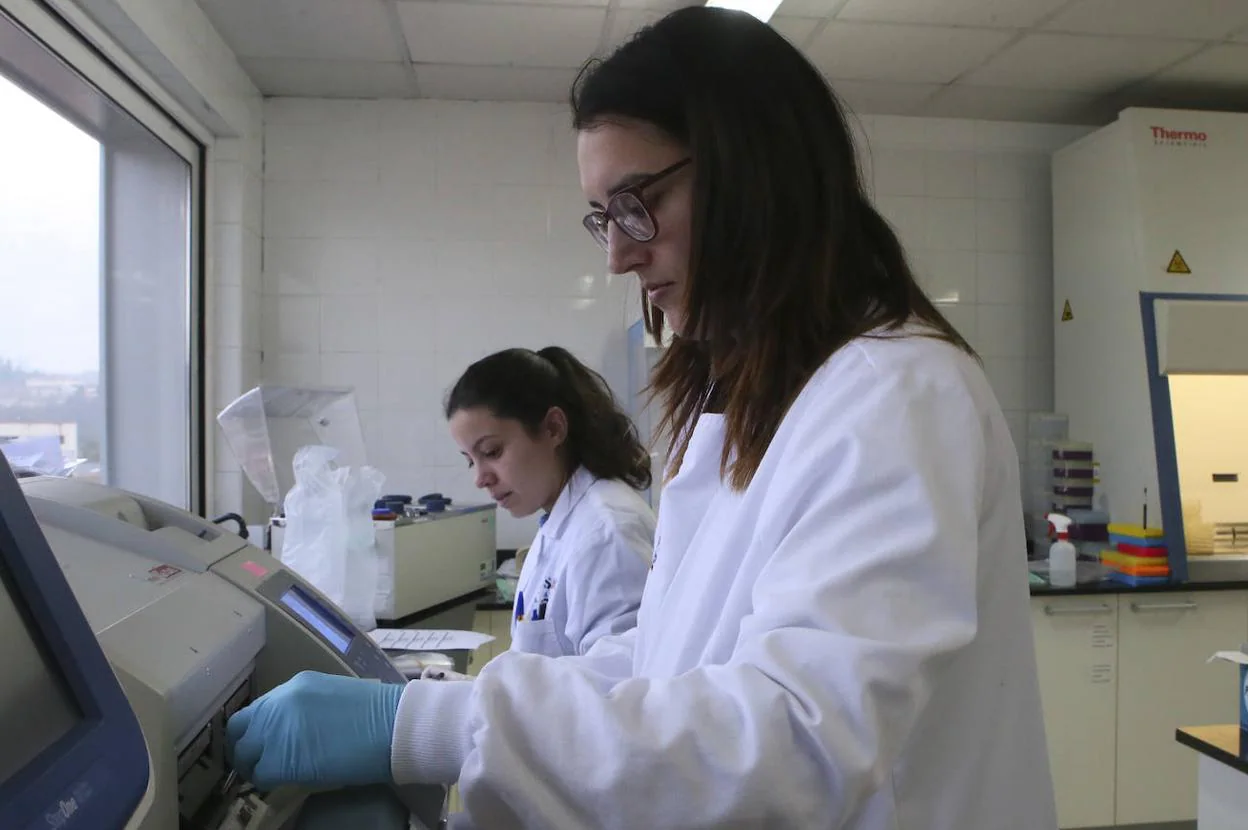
pixel 869 544
pixel 602 584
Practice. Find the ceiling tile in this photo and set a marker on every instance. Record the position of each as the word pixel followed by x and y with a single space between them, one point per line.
pixel 1000 14
pixel 1224 65
pixel 1201 19
pixel 809 8
pixel 916 54
pixel 879 98
pixel 795 29
pixel 1078 63
pixel 328 79
pixel 496 35
pixel 657 5
pixel 624 23
pixel 308 29
pixel 494 83
pixel 1001 104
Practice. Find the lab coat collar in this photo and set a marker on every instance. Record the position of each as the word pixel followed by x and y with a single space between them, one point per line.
pixel 576 488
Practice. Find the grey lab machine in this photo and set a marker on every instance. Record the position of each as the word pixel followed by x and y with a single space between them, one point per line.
pixel 196 622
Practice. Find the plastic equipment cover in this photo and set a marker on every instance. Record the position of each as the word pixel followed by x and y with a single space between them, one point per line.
pixel 266 426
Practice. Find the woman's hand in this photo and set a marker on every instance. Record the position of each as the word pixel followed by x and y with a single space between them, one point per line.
pixel 316 730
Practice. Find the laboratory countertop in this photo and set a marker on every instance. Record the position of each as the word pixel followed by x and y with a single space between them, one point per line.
pixel 1224 742
pixel 1112 587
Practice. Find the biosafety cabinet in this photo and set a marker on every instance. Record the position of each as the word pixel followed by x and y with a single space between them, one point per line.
pixel 1150 227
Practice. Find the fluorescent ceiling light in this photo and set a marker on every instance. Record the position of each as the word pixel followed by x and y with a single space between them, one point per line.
pixel 762 9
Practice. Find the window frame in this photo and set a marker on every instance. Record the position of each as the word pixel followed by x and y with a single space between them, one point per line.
pixel 71 65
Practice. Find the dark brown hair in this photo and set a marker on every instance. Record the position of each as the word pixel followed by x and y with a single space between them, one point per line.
pixel 522 385
pixel 789 261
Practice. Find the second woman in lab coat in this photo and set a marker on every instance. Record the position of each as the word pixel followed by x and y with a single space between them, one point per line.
pixel 836 632
pixel 544 435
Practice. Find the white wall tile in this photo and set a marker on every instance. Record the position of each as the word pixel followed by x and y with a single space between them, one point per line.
pixel 291 369
pixel 898 172
pixel 950 174
pixel 1001 330
pixel 1004 225
pixel 227 254
pixel 908 216
pixel 1001 278
pixel 948 276
pixel 406 323
pixel 292 325
pixel 231 320
pixel 355 370
pixel 349 323
pixel 1001 176
pixel 950 224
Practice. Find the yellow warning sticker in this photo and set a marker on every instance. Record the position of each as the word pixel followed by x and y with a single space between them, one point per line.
pixel 1067 314
pixel 1178 265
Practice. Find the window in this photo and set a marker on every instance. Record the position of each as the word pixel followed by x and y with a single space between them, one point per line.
pixel 100 330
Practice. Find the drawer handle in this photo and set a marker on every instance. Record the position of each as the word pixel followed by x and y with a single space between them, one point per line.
pixel 1077 609
pixel 1164 606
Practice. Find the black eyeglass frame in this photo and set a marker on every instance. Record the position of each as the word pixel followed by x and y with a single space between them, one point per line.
pixel 596 220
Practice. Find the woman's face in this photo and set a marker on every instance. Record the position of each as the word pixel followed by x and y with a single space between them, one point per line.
pixel 523 472
pixel 615 154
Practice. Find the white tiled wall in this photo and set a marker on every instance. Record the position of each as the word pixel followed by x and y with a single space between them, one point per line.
pixel 402 240
pixel 971 201
pixel 233 304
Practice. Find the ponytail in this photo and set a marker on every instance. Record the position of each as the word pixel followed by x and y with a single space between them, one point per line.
pixel 522 385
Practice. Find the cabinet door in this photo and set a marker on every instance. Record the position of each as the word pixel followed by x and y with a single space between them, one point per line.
pixel 1164 682
pixel 1077 658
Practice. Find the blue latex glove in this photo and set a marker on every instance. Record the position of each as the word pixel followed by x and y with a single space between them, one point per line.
pixel 316 730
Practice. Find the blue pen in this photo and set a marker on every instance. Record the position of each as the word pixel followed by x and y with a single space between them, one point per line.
pixel 520 606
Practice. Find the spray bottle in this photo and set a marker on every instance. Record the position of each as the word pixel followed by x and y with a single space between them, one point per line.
pixel 1062 554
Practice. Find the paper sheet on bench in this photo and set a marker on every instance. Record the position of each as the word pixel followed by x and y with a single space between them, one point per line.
pixel 420 639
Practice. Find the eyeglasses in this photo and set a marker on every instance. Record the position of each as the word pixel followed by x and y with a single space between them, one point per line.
pixel 628 210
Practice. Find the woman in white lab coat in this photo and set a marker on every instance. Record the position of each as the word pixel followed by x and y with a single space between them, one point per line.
pixel 835 632
pixel 544 435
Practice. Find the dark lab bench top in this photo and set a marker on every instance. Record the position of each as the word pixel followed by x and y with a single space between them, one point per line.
pixel 1223 742
pixel 1112 587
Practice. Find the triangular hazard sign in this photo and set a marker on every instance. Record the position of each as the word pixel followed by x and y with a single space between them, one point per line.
pixel 1178 265
pixel 1067 314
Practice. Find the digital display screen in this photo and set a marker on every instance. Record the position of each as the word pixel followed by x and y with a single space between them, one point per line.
pixel 38 707
pixel 311 612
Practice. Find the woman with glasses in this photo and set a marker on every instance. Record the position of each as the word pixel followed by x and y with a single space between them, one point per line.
pixel 836 630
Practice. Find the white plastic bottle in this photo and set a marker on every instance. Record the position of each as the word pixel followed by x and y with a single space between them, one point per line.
pixel 1062 554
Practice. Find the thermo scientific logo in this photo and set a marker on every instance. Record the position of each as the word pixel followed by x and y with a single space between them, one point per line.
pixel 1179 138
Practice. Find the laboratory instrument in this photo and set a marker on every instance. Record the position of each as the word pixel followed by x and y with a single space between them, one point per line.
pixel 72 754
pixel 196 623
pixel 424 560
pixel 1151 326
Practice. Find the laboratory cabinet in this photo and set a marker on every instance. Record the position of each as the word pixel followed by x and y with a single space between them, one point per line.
pixel 1078 661
pixel 1118 674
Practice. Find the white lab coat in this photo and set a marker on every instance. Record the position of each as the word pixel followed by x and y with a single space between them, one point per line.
pixel 585 571
pixel 845 644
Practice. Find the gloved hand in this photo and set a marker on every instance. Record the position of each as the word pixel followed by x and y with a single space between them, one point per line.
pixel 316 730
pixel 436 673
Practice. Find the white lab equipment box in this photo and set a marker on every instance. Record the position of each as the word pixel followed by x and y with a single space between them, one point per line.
pixel 435 559
pixel 430 560
pixel 1151 322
